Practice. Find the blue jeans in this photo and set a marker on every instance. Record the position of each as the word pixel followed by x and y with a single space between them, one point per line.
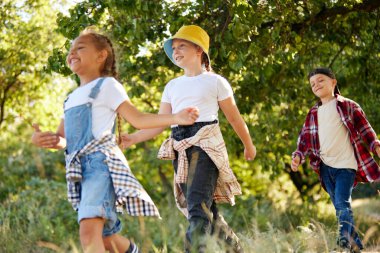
pixel 339 184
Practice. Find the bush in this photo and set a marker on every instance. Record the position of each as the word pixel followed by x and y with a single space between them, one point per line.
pixel 37 214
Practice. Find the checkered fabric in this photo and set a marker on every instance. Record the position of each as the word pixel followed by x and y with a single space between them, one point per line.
pixel 362 137
pixel 210 139
pixel 130 195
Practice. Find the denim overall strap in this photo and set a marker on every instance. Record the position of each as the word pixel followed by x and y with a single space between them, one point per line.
pixel 94 93
pixel 95 90
pixel 78 122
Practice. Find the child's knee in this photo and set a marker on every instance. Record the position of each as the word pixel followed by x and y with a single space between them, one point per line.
pixel 90 229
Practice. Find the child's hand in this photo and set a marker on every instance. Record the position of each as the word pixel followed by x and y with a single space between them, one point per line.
pixel 377 149
pixel 295 163
pixel 44 139
pixel 187 116
pixel 127 140
pixel 250 153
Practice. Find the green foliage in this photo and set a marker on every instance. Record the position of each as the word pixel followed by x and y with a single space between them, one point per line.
pixel 26 41
pixel 19 162
pixel 27 93
pixel 38 213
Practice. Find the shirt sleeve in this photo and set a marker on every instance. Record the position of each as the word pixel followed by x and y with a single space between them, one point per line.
pixel 303 142
pixel 301 146
pixel 224 88
pixel 364 128
pixel 114 93
pixel 165 95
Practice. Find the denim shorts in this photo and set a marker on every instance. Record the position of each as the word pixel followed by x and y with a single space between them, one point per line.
pixel 97 193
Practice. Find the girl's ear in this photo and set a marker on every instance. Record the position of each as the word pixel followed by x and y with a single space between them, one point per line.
pixel 102 55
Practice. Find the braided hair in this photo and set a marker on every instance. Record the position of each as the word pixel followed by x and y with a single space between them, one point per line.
pixel 205 61
pixel 102 42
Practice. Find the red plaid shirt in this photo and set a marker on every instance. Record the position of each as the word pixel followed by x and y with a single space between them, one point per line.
pixel 360 131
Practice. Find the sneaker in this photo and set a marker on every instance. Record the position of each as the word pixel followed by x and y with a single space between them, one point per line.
pixel 355 249
pixel 238 248
pixel 345 245
pixel 357 245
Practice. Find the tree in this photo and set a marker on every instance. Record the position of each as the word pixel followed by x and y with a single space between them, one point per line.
pixel 28 92
pixel 264 48
pixel 27 40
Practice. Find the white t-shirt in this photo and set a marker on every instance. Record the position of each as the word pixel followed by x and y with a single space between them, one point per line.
pixel 203 91
pixel 335 146
pixel 104 106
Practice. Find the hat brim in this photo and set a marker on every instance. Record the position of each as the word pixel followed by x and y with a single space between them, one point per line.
pixel 169 50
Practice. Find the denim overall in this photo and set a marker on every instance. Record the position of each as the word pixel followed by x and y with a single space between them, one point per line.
pixel 199 188
pixel 96 189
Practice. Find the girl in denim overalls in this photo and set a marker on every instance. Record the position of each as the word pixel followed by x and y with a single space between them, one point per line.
pixel 99 180
pixel 202 173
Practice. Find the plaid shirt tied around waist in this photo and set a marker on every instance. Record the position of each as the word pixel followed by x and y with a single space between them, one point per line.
pixel 210 139
pixel 130 195
pixel 361 136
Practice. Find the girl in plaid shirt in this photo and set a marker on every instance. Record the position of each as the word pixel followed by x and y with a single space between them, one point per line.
pixel 333 135
pixel 100 181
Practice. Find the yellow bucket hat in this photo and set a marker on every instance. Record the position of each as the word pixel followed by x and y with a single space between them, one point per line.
pixel 192 33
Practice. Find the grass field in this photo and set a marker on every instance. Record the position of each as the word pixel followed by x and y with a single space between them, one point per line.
pixel 39 219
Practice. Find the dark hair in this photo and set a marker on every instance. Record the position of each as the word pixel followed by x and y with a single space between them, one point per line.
pixel 324 71
pixel 102 42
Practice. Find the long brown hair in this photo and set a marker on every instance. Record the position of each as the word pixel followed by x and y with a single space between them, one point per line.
pixel 102 42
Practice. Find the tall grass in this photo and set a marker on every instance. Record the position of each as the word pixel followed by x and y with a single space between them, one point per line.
pixel 39 219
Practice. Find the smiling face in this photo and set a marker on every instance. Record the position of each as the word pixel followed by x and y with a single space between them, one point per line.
pixel 322 86
pixel 186 54
pixel 84 58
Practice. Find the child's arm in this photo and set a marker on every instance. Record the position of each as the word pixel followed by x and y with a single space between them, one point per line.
pixel 299 155
pixel 233 116
pixel 364 128
pixel 49 139
pixel 145 134
pixel 147 120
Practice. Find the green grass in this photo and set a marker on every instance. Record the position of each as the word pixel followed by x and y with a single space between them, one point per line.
pixel 39 219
